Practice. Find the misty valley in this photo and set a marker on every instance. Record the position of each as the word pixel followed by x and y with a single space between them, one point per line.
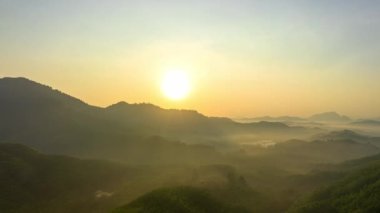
pixel 59 154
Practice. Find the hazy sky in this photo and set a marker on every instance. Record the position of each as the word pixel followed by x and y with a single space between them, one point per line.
pixel 244 57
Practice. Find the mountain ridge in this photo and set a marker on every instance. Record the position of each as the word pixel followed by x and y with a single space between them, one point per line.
pixel 329 117
pixel 57 123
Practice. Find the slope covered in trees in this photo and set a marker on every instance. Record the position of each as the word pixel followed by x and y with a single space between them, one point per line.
pixel 179 199
pixel 56 123
pixel 33 182
pixel 357 191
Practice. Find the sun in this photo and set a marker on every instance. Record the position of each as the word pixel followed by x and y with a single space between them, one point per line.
pixel 175 84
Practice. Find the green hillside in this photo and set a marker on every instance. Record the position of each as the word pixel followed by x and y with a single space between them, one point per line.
pixel 55 123
pixel 179 199
pixel 358 191
pixel 35 182
pixel 32 182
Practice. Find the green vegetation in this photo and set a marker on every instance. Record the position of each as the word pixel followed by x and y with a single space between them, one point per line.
pixel 32 182
pixel 56 123
pixel 151 159
pixel 359 192
pixel 180 199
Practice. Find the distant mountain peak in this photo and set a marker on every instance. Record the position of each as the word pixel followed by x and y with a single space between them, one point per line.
pixel 118 104
pixel 330 117
pixel 125 105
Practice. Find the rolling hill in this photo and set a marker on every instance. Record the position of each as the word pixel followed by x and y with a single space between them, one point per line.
pixel 53 122
pixel 358 190
pixel 329 117
pixel 179 199
pixel 287 155
pixel 348 135
pixel 33 182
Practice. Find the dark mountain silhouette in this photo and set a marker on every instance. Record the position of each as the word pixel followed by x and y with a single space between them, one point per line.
pixel 53 122
pixel 162 148
pixel 151 119
pixel 22 90
pixel 329 117
pixel 190 126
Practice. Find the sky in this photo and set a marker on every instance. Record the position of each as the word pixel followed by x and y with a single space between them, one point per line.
pixel 244 58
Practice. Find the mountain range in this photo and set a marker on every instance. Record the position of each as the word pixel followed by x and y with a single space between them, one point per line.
pixel 60 154
pixel 325 117
pixel 53 122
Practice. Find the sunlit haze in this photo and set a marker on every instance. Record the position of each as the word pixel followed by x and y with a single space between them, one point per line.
pixel 245 58
pixel 220 106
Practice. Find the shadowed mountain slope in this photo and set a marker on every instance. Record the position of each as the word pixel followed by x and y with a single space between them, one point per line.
pixel 357 191
pixel 53 122
pixel 33 182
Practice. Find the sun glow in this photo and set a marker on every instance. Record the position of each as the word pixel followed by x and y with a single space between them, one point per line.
pixel 175 84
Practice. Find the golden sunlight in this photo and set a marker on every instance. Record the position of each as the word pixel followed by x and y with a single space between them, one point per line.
pixel 175 84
